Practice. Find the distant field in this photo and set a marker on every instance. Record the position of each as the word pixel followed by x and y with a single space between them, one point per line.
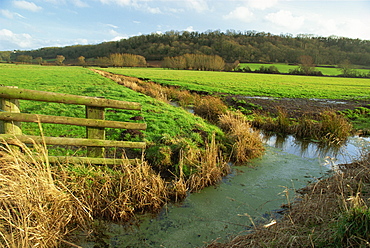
pixel 284 68
pixel 255 84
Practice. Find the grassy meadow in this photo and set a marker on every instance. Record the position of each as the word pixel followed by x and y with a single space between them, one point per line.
pixel 254 84
pixel 161 118
pixel 285 68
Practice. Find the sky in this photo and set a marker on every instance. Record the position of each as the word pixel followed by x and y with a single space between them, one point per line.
pixel 33 24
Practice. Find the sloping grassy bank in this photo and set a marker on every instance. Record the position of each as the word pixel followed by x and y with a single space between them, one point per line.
pixel 163 120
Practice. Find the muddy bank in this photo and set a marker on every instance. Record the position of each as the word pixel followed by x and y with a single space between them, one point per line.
pixel 296 107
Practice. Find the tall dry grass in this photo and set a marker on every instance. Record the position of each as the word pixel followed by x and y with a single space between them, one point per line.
pixel 178 187
pixel 210 169
pixel 330 127
pixel 116 193
pixel 246 143
pixel 210 108
pixel 34 210
pixel 42 204
pixel 335 127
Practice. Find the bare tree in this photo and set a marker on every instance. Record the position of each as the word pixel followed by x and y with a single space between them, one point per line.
pixel 306 64
pixel 81 60
pixel 24 58
pixel 39 60
pixel 59 59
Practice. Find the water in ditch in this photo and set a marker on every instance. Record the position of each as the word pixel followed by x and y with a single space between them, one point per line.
pixel 250 195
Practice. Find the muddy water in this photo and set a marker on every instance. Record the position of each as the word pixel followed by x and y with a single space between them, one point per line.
pixel 250 195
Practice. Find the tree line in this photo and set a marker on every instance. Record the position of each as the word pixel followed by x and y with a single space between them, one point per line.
pixel 248 46
pixel 121 60
pixel 195 62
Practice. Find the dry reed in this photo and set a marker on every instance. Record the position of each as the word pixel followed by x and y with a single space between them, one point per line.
pixel 331 127
pixel 210 169
pixel 179 189
pixel 34 212
pixel 246 143
pixel 210 108
pixel 116 193
pixel 42 204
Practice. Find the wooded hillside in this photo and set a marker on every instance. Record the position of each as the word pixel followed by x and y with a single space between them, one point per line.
pixel 249 46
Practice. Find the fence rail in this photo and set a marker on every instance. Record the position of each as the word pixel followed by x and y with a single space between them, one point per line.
pixel 95 123
pixel 44 96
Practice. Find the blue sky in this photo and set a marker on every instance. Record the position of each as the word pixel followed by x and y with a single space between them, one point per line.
pixel 32 24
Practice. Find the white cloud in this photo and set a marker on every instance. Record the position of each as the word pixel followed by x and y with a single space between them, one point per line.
pixel 9 14
pixel 55 1
pixel 113 32
pixel 198 5
pixel 173 10
pixel 240 13
pixel 345 27
pixel 137 4
pixel 81 42
pixel 262 4
pixel 190 29
pixel 152 10
pixel 27 6
pixel 16 40
pixel 116 35
pixel 80 4
pixel 118 2
pixel 286 19
pixel 112 26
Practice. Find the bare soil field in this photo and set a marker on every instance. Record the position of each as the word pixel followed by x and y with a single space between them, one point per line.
pixel 296 107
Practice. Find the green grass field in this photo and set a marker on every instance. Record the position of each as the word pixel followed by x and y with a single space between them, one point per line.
pixel 285 68
pixel 254 84
pixel 162 119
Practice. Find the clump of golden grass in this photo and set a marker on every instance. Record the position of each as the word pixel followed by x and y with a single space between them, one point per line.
pixel 246 143
pixel 210 108
pixel 331 127
pixel 195 168
pixel 332 212
pixel 117 193
pixel 41 204
pixel 210 169
pixel 34 211
pixel 306 127
pixel 281 124
pixel 335 127
pixel 178 188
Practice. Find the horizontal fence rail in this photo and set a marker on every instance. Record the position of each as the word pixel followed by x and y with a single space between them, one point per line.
pixel 43 96
pixel 30 139
pixel 94 122
pixel 21 117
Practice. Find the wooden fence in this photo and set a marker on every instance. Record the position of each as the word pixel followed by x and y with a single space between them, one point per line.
pixel 10 128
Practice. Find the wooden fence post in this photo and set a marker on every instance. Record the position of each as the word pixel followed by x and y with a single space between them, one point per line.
pixel 95 132
pixel 12 106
